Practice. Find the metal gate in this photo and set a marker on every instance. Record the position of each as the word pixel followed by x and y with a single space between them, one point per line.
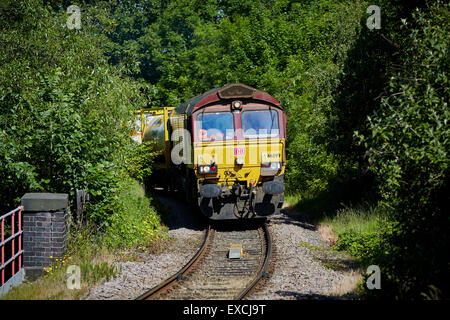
pixel 11 273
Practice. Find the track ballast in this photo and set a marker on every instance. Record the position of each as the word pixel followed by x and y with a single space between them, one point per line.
pixel 211 275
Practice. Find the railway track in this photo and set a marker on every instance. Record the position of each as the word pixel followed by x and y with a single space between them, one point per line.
pixel 212 275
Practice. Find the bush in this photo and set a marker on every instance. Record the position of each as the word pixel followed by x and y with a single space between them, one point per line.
pixel 134 221
pixel 62 108
pixel 408 150
pixel 360 230
pixel 139 161
pixel 364 245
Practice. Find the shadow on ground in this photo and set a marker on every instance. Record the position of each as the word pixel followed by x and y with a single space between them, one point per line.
pixel 176 213
pixel 306 296
pixel 289 216
pixel 329 257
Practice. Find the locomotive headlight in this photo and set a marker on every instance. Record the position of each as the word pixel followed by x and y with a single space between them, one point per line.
pixel 212 169
pixel 275 166
pixel 236 105
pixel 205 169
pixel 270 168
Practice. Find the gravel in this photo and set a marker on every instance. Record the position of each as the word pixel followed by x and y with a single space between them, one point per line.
pixel 298 272
pixel 135 278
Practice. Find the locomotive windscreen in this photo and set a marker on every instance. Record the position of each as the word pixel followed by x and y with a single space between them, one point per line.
pixel 216 125
pixel 260 123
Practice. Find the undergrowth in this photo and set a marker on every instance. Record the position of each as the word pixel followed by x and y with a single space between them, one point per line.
pixel 134 226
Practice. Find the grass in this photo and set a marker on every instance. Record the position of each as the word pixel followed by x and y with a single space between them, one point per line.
pixel 347 224
pixel 333 216
pixel 95 262
pixel 347 284
pixel 358 231
pixel 363 218
pixel 136 222
pixel 335 219
pixel 347 206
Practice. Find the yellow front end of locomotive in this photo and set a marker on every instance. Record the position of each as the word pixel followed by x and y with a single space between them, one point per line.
pixel 252 161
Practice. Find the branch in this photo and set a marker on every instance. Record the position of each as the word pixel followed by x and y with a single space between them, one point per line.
pixel 390 41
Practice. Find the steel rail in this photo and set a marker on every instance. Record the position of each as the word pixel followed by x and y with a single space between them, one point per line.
pixel 263 271
pixel 177 276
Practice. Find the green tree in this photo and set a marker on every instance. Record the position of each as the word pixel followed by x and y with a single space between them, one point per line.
pixel 64 109
pixel 408 149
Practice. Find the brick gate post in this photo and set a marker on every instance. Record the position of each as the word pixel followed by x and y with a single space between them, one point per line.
pixel 45 229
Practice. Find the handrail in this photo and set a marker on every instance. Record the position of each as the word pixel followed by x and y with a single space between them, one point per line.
pixel 6 215
pixel 18 233
pixel 14 235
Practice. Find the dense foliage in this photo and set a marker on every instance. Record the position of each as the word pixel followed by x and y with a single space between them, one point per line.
pixel 293 50
pixel 367 109
pixel 64 111
pixel 408 150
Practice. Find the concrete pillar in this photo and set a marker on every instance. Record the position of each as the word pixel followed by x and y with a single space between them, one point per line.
pixel 45 228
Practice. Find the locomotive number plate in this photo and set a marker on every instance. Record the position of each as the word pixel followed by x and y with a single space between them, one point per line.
pixel 239 151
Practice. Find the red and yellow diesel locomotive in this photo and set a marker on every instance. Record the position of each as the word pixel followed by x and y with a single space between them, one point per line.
pixel 224 149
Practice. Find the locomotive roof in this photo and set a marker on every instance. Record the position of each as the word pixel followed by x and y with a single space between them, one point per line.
pixel 227 92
